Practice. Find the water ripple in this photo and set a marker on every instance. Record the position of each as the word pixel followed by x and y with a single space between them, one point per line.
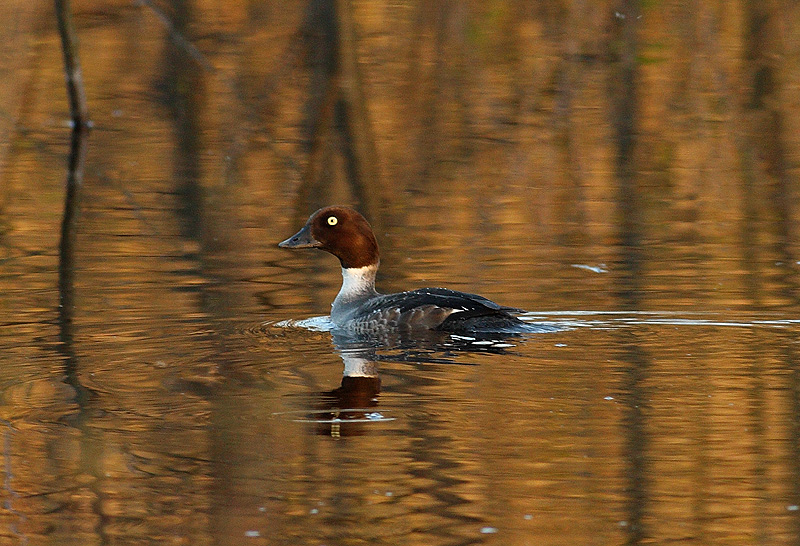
pixel 621 319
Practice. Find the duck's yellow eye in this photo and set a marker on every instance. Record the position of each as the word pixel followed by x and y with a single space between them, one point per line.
pixel 332 220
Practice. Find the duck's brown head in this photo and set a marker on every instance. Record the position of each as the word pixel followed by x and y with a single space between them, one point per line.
pixel 341 231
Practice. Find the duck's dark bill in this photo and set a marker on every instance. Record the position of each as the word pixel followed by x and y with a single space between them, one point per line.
pixel 301 239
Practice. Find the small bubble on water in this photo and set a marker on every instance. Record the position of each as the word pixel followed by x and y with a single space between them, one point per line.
pixel 608 398
pixel 793 508
pixel 252 534
pixel 488 530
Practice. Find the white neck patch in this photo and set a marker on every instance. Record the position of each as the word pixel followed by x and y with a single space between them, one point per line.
pixel 356 366
pixel 357 281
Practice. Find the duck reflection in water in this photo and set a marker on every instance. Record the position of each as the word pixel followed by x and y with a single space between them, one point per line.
pixel 352 408
pixel 346 410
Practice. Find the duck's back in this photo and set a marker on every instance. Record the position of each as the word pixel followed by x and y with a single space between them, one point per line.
pixel 435 309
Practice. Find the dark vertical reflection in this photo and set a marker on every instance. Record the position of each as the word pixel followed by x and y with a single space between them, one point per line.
pixel 629 219
pixel 184 89
pixel 72 66
pixel 90 445
pixel 764 50
pixel 356 125
pixel 686 109
pixel 337 113
pixel 69 221
pixel 66 260
pixel 753 255
pixel 753 281
pixel 435 15
pixel 572 209
pixel 319 107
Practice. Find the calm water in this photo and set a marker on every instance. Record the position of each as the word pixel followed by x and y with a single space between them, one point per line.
pixel 630 176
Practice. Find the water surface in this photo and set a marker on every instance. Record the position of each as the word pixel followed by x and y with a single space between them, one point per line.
pixel 627 175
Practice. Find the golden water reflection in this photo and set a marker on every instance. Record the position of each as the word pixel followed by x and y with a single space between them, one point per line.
pixel 628 172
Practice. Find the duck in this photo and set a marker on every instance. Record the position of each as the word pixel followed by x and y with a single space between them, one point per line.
pixel 360 309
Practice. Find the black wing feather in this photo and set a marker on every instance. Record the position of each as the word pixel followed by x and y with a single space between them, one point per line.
pixel 439 297
pixel 474 313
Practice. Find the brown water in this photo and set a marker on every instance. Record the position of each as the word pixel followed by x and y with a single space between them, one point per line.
pixel 632 180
